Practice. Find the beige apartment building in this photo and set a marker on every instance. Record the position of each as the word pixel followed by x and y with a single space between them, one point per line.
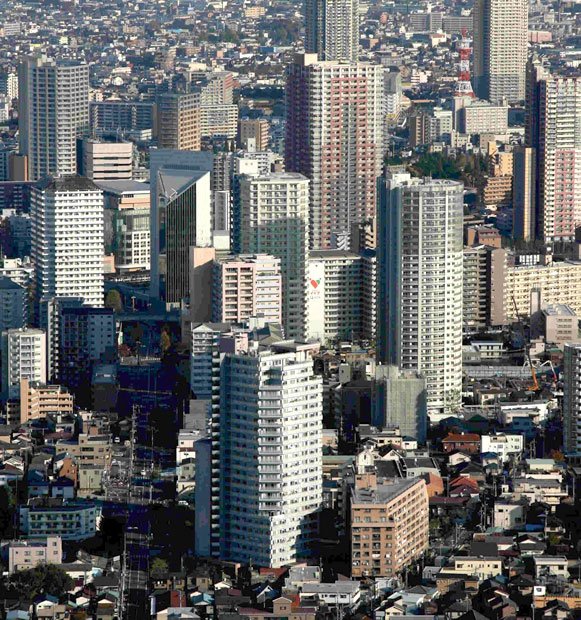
pixel 481 567
pixel 26 554
pixel 255 129
pixel 389 525
pixel 38 401
pixel 178 121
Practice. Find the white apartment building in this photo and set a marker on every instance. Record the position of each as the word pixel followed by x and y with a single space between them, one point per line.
pixel 273 211
pixel 53 112
pixel 503 445
pixel 23 357
pixel 341 303
pixel 478 117
pixel 500 49
pixel 67 239
pixel 107 161
pixel 332 29
pixel 420 284
pixel 271 463
pixel 247 286
pixel 219 121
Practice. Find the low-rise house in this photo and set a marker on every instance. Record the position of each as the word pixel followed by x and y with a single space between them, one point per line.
pixel 25 554
pixel 464 442
pixel 551 565
pixel 509 514
pixel 340 593
pixel 482 567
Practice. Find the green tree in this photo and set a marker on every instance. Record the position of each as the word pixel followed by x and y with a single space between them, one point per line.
pixel 43 579
pixel 113 301
pixel 6 512
pixel 158 568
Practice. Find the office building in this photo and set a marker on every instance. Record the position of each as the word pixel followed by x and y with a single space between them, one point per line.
pixel 53 113
pixel 553 109
pixel 178 121
pixel 13 305
pixel 273 212
pixel 271 407
pixel 389 525
pixel 67 240
pixel 400 401
pixel 37 401
pixel 500 49
pixel 127 224
pixel 23 357
pixel 334 136
pixel 181 217
pixel 246 286
pixel 571 400
pixel 420 284
pixel 340 300
pixel 332 29
pixel 107 161
pixel 524 194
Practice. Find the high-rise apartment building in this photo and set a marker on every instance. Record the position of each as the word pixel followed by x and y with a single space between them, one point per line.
pixel 572 400
pixel 53 113
pixel 271 407
pixel 341 300
pixel 181 217
pixel 553 130
pixel 332 29
pixel 420 284
pixel 500 49
pixel 254 130
pixel 23 357
pixel 524 193
pixel 67 239
pixel 13 305
pixel 178 121
pixel 389 525
pixel 273 216
pixel 246 286
pixel 334 136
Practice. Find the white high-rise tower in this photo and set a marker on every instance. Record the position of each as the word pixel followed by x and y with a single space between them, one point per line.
pixel 332 29
pixel 420 284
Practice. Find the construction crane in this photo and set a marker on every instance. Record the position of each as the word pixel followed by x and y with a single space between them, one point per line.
pixel 535 387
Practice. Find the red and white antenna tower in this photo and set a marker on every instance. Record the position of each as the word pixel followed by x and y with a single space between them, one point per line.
pixel 463 85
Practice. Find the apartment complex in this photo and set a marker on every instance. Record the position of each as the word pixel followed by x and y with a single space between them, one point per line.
pixel 553 109
pixel 500 49
pixel 24 356
pixel 270 455
pixel 332 29
pixel 37 401
pixel 53 113
pixel 246 286
pixel 67 222
pixel 420 284
pixel 70 520
pixel 178 121
pixel 334 136
pixel 341 300
pixel 572 401
pixel 273 211
pixel 389 525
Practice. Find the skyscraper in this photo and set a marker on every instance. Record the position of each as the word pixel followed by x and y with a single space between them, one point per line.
pixel 334 136
pixel 524 193
pixel 181 217
pixel 420 284
pixel 273 212
pixel 553 130
pixel 67 220
pixel 571 402
pixel 332 29
pixel 500 49
pixel 271 407
pixel 54 111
